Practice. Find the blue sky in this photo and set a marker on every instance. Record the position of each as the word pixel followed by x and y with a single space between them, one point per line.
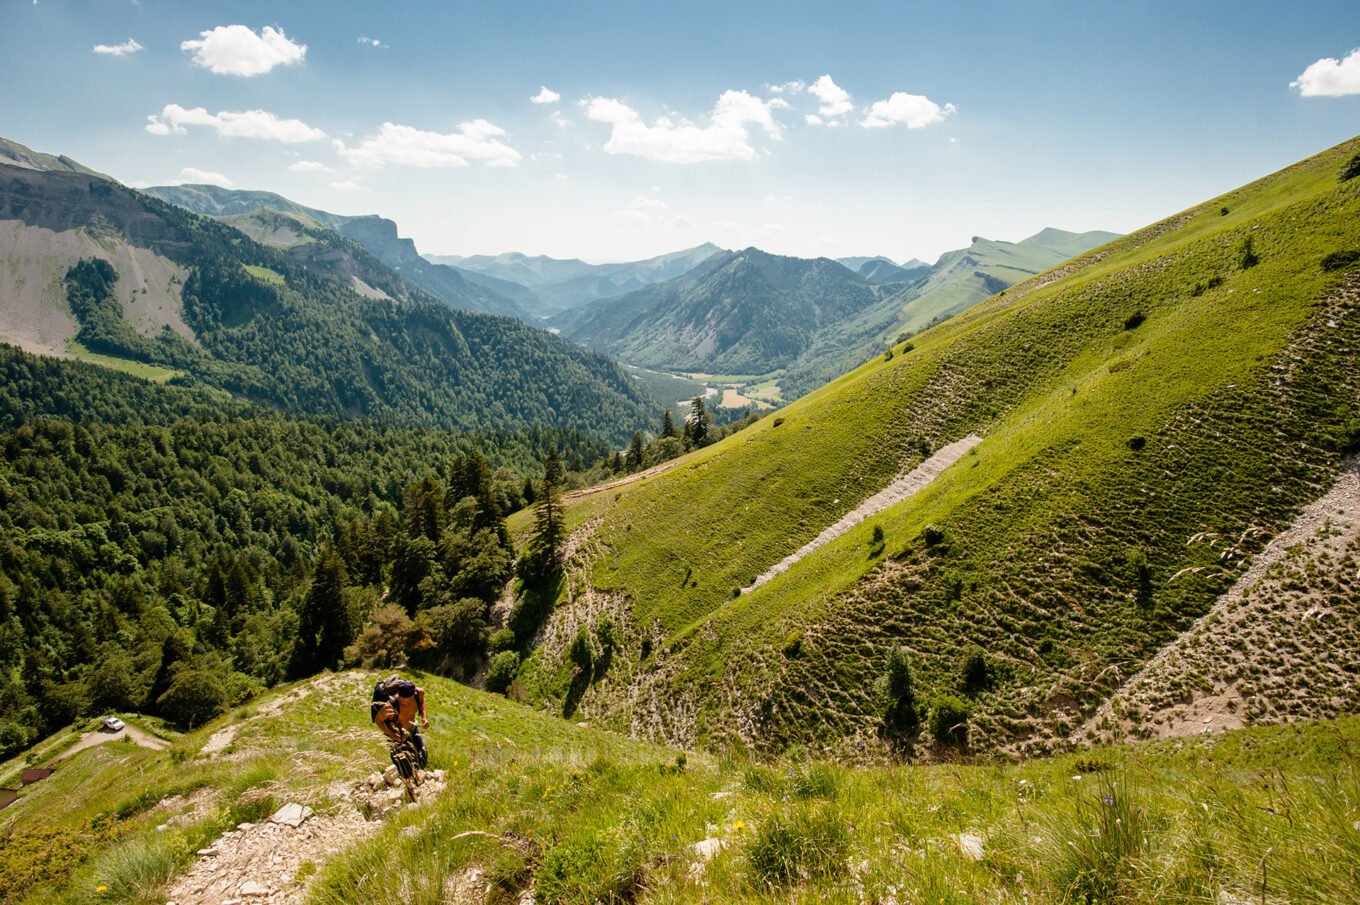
pixel 804 128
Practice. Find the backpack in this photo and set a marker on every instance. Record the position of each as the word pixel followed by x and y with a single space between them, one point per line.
pixel 387 689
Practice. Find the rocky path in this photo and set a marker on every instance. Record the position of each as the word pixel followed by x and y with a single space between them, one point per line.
pixel 100 737
pixel 900 489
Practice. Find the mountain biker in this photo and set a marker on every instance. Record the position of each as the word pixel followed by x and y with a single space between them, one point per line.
pixel 397 702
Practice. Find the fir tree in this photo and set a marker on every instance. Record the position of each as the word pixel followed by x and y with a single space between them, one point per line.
pixel 667 424
pixel 635 452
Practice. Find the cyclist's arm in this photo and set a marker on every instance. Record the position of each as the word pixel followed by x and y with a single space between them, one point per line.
pixel 420 706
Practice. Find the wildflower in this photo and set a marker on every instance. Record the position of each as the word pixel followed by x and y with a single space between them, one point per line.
pixel 1109 799
pixel 739 825
pixel 101 889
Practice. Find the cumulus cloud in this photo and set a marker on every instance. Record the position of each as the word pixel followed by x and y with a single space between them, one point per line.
pixel 309 166
pixel 813 119
pixel 642 211
pixel 915 111
pixel 129 46
pixel 726 137
pixel 201 177
pixel 545 96
pixel 835 100
pixel 1330 77
pixel 561 120
pixel 369 42
pixel 794 87
pixel 232 124
pixel 236 50
pixel 475 140
pixel 348 185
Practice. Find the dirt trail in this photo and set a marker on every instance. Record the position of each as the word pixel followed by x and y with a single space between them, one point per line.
pixel 631 479
pixel 100 737
pixel 900 489
pixel 1280 644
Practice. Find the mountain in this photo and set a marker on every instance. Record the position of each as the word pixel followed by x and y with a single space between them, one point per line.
pixel 881 271
pixel 375 233
pixel 95 269
pixel 565 285
pixel 962 278
pixel 745 312
pixel 1150 448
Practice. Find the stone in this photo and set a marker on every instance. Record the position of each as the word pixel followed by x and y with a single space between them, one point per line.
pixel 206 852
pixel 375 781
pixel 391 777
pixel 292 814
pixel 251 888
pixel 245 826
pixel 970 845
pixel 707 848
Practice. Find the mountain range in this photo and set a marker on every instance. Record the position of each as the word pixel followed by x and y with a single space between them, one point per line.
pixel 308 322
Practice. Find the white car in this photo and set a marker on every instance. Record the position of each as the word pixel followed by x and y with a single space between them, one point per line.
pixel 113 724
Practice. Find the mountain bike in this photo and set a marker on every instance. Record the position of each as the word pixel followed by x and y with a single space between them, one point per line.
pixel 406 759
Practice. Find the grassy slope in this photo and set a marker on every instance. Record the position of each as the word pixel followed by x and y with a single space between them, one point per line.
pixel 1240 390
pixel 596 816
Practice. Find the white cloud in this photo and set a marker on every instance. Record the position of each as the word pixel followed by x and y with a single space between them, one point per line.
pixel 129 46
pixel 370 42
pixel 794 87
pixel 236 50
pixel 560 177
pixel 232 124
pixel 726 137
pixel 681 222
pixel 200 177
pixel 835 100
pixel 642 211
pixel 348 185
pixel 812 119
pixel 561 120
pixel 915 111
pixel 309 166
pixel 1329 77
pixel 475 140
pixel 545 96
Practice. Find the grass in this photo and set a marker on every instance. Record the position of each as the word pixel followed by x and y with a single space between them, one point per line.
pixel 153 373
pixel 272 277
pixel 578 815
pixel 1063 538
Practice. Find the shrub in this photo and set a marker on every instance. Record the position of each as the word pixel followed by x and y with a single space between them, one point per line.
pixel 580 651
pixel 1339 259
pixel 1249 256
pixel 1351 169
pixel 976 674
pixel 949 719
pixel 793 643
pixel 1136 443
pixel 933 535
pixel 606 634
pixel 1134 320
pixel 808 844
pixel 897 687
pixel 501 640
pixel 502 671
pixel 591 867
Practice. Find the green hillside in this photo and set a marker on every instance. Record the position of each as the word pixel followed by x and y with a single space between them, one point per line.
pixel 290 333
pixel 527 805
pixel 1152 414
pixel 376 234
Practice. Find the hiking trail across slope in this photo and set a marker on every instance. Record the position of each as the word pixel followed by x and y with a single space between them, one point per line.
pixel 900 489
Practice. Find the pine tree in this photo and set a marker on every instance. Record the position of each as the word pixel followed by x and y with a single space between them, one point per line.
pixel 323 621
pixel 635 452
pixel 699 424
pixel 667 424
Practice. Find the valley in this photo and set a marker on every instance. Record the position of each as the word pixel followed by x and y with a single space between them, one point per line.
pixel 610 454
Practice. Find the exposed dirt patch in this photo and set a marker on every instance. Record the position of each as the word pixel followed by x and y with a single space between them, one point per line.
pixel 1282 644
pixel 900 489
pixel 100 737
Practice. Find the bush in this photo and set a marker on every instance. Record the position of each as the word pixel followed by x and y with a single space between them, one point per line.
pixel 806 845
pixel 933 535
pixel 793 643
pixel 502 671
pixel 1134 320
pixel 1351 169
pixel 897 687
pixel 580 651
pixel 1339 259
pixel 1249 256
pixel 949 719
pixel 976 674
pixel 591 867
pixel 195 696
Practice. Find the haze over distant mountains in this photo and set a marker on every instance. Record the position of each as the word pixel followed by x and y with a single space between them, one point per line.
pixel 560 285
pixel 750 312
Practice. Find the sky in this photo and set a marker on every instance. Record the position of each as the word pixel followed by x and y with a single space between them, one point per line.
pixel 617 131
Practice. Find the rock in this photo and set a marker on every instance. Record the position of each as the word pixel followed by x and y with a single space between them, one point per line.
pixel 375 781
pixel 251 888
pixel 719 796
pixel 970 845
pixel 410 832
pixel 161 829
pixel 292 814
pixel 391 777
pixel 245 826
pixel 206 852
pixel 707 848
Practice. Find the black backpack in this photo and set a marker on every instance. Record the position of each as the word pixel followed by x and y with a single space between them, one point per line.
pixel 386 690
